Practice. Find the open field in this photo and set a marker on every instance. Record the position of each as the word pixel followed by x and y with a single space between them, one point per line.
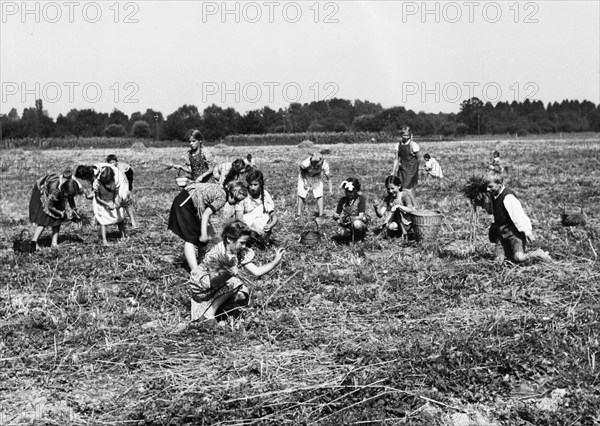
pixel 373 333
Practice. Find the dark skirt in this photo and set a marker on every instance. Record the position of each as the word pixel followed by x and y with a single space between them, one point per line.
pixel 409 173
pixel 36 210
pixel 184 221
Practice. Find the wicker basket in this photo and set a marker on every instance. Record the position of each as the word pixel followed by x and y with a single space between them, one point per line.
pixel 23 243
pixel 425 217
pixel 573 216
pixel 425 223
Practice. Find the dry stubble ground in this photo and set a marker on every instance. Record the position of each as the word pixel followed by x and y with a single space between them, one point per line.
pixel 377 332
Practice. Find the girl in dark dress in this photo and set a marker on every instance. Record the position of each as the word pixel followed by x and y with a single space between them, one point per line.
pixel 191 210
pixel 47 206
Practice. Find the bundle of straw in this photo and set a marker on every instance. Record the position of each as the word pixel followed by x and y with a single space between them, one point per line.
pixel 80 219
pixel 474 187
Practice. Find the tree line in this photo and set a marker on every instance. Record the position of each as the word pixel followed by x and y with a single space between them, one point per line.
pixel 334 115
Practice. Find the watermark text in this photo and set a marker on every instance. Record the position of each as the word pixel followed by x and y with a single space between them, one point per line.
pixel 70 91
pixel 252 12
pixel 454 12
pixel 69 12
pixel 270 92
pixel 454 92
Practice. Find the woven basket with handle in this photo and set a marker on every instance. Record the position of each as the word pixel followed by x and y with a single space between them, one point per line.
pixel 573 216
pixel 425 223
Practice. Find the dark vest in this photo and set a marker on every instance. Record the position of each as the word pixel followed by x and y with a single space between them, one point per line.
pixel 501 216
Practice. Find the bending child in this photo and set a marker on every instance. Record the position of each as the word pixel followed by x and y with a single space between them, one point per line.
pixel 217 279
pixel 350 213
pixel 128 172
pixel 310 178
pixel 110 193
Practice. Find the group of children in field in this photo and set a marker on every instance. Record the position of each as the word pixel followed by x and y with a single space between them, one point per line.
pixel 237 191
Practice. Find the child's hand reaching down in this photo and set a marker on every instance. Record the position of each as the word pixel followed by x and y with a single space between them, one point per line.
pixel 279 252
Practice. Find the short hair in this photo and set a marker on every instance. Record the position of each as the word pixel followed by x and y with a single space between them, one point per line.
pixel 494 177
pixel 496 153
pixel 427 156
pixel 236 188
pixel 85 172
pixel 238 165
pixel 393 179
pixel 194 133
pixel 234 230
pixel 112 157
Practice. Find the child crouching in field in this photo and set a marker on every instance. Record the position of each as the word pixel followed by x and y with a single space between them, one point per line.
pixel 217 279
pixel 258 209
pixel 393 208
pixel 350 213
pixel 512 229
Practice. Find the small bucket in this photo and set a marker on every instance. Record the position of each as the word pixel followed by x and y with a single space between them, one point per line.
pixel 23 243
pixel 311 238
pixel 573 216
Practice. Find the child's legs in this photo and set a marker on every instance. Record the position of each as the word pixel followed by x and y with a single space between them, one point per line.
pixel 393 226
pixel 360 229
pixel 189 252
pixel 300 204
pixel 499 253
pixel 103 234
pixel 238 295
pixel 131 214
pixel 121 226
pixel 55 231
pixel 36 234
pixel 514 247
pixel 317 189
pixel 302 193
pixel 320 205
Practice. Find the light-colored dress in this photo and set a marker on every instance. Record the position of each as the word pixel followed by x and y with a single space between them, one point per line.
pixel 313 176
pixel 118 198
pixel 217 262
pixel 256 214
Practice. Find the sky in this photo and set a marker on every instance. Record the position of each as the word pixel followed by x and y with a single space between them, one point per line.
pixel 423 55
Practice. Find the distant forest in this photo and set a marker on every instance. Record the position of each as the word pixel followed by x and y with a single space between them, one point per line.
pixel 335 115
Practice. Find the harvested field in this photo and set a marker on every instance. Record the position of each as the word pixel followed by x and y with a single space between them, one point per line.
pixel 379 332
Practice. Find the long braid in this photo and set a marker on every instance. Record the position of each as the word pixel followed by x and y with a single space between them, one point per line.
pixel 256 175
pixel 262 191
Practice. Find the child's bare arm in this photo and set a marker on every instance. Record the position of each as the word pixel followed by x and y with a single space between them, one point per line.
pixel 204 225
pixel 259 270
pixel 379 209
pixel 273 220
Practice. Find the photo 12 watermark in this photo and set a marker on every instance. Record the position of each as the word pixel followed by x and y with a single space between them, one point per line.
pixel 68 91
pixel 456 92
pixel 37 412
pixel 251 12
pixel 52 12
pixel 267 92
pixel 452 12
